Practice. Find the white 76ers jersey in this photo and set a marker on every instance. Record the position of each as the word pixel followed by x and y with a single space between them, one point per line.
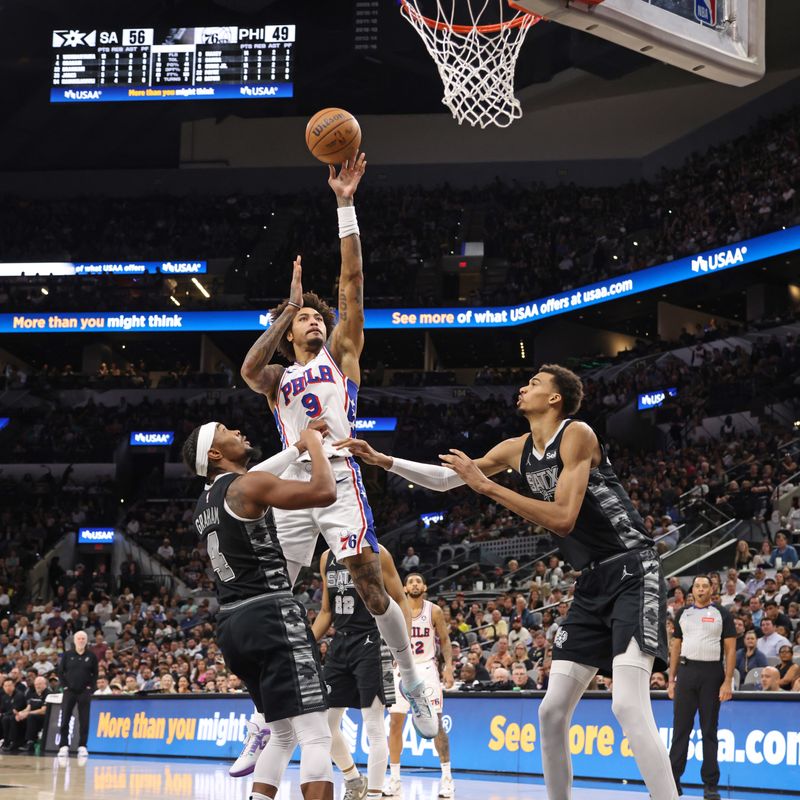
pixel 316 390
pixel 423 634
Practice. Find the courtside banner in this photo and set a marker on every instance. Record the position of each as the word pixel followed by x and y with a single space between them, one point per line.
pixel 758 739
pixel 684 269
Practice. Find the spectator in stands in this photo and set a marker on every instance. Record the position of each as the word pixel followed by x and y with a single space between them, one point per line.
pixel 669 530
pixel 793 517
pixel 744 557
pixel 792 594
pixel 468 679
pixel 770 680
pixel 783 552
pixel 410 561
pixel 788 670
pixel 166 551
pixel 32 715
pixel 771 641
pixel 749 657
pixel 519 634
pixel 773 611
pixel 12 701
pixel 520 679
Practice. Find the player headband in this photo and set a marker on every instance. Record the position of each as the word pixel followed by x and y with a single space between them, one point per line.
pixel 204 441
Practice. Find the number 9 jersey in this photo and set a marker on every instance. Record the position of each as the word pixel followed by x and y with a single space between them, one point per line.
pixel 316 390
pixel 320 390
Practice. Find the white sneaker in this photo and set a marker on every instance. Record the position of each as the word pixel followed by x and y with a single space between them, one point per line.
pixel 392 788
pixel 446 788
pixel 63 752
pixel 82 752
pixel 425 722
pixel 254 743
pixel 355 789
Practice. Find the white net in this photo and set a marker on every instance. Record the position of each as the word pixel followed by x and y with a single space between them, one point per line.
pixel 475 61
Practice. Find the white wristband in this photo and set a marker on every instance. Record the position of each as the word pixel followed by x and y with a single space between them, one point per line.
pixel 348 224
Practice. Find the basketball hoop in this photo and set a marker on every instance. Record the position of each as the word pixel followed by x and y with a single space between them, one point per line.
pixel 475 62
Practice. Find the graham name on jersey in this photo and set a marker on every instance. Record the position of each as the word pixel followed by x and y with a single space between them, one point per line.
pixel 208 518
pixel 297 386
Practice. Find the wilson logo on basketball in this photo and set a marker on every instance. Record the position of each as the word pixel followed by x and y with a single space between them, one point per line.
pixel 326 123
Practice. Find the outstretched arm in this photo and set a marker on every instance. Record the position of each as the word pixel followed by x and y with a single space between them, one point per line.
pixel 577 451
pixel 440 479
pixel 347 341
pixel 252 493
pixel 258 373
pixel 324 618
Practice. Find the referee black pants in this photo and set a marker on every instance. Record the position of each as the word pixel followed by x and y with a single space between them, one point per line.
pixel 696 690
pixel 68 702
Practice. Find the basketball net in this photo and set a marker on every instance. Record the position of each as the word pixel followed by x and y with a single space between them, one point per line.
pixel 475 62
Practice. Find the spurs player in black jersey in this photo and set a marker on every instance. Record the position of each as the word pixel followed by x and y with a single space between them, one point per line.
pixel 617 622
pixel 358 670
pixel 262 630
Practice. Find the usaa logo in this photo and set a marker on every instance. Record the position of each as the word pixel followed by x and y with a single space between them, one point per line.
pixel 258 91
pixel 724 258
pixel 83 94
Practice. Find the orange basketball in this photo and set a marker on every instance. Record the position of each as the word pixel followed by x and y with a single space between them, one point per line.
pixel 333 135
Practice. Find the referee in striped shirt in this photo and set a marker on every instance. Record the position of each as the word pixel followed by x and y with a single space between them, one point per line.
pixel 698 681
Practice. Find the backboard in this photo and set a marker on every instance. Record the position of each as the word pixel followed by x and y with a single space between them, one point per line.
pixel 722 40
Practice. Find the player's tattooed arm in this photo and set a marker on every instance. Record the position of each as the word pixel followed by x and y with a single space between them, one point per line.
pixel 578 449
pixel 324 618
pixel 258 373
pixel 347 340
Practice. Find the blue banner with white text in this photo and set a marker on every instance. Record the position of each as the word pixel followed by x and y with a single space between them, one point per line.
pixel 732 256
pixel 758 739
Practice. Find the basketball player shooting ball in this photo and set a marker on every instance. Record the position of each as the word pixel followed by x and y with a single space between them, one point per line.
pixel 617 621
pixel 322 384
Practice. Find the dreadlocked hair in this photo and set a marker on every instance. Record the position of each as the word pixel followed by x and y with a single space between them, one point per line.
pixel 310 300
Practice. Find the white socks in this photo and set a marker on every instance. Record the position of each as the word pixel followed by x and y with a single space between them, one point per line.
pixel 394 769
pixel 392 627
pixel 446 771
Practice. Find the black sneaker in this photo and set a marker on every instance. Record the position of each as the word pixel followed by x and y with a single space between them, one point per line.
pixel 711 793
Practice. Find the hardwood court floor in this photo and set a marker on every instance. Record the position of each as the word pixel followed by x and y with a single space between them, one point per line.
pixel 114 778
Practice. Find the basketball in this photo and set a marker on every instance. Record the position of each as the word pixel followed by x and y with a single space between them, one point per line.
pixel 333 135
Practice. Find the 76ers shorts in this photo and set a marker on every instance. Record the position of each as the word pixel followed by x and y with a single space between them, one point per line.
pixel 346 525
pixel 429 672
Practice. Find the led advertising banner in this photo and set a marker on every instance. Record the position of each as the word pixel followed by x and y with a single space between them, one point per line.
pixel 683 269
pixel 95 536
pixel 655 398
pixel 10 269
pixel 376 424
pixel 151 438
pixel 759 740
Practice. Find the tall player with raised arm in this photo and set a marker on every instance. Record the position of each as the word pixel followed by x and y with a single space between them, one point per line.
pixel 617 621
pixel 322 383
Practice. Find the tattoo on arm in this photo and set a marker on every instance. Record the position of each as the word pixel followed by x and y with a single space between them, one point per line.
pixel 343 305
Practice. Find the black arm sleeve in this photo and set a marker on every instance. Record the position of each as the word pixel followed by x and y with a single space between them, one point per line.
pixel 728 628
pixel 678 634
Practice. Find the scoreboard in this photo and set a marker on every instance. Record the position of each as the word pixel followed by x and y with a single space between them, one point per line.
pixel 221 63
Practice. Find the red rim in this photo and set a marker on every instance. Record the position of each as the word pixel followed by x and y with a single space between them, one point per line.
pixel 523 19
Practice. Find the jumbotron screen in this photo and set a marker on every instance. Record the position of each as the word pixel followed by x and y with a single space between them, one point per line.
pixel 223 63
